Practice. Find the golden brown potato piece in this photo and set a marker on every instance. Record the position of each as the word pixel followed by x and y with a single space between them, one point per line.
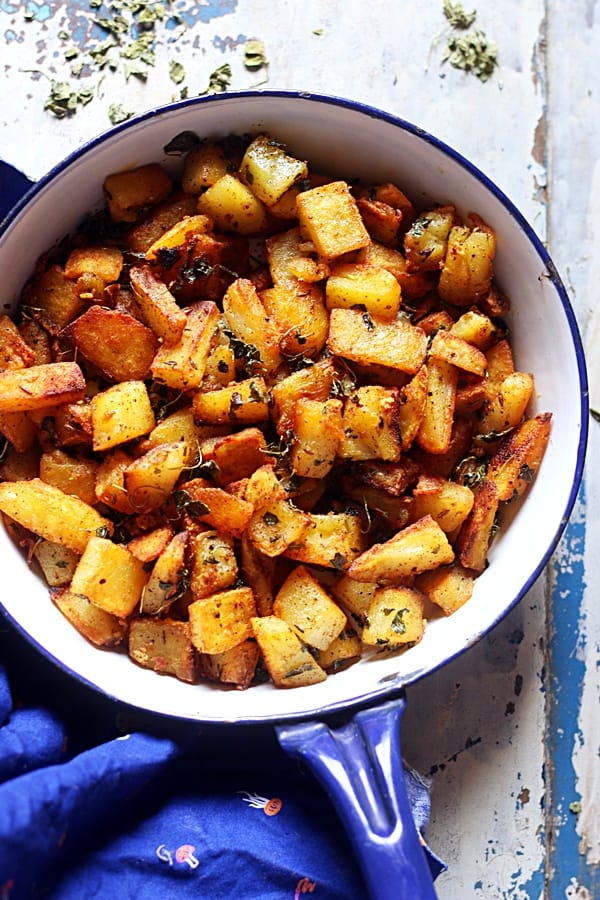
pixel 222 620
pixel 367 339
pixel 158 305
pixel 99 627
pixel 268 170
pixel 308 609
pixel 288 661
pixel 49 512
pixel 329 217
pixel 449 587
pixel 468 267
pixel 416 548
pixel 120 414
pixel 110 577
pixel 119 345
pixel 165 646
pixel 52 299
pixel 233 207
pixel 129 193
pixel 40 387
pixel 394 618
pixel 476 533
pixel 514 465
pixel 182 365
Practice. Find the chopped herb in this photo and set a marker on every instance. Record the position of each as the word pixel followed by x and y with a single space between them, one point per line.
pixel 270 519
pixel 176 72
pixel 219 80
pixel 456 15
pixel 184 502
pixel 306 667
pixel 398 625
pixel 472 53
pixel 102 532
pixel 63 100
pixel 470 471
pixel 339 561
pixel 526 473
pixel 117 113
pixel 182 143
pixel 254 55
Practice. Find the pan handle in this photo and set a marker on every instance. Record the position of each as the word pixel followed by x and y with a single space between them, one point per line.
pixel 359 763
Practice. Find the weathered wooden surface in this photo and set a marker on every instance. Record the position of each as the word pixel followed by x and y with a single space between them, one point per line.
pixel 509 732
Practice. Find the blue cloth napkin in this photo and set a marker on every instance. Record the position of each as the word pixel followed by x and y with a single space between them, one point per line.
pixel 101 800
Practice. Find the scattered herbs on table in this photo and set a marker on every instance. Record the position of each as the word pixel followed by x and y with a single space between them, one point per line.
pixel 467 48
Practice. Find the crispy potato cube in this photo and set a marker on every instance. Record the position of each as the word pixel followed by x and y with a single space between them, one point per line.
pixel 449 587
pixel 37 339
pixel 182 366
pixel 268 170
pixel 52 514
pixel 148 547
pixel 416 548
pixel 129 193
pixel 370 424
pixel 19 465
pixel 220 366
pixel 247 318
pixel 395 618
pixel 372 340
pixel 506 409
pixel 393 478
pixel 394 511
pixel 115 342
pixel 276 526
pixel 165 583
pixel 235 666
pixel 332 540
pixel 233 207
pixel 40 387
pixel 165 646
pixel 514 465
pixel 259 574
pixel 53 299
pixel 73 475
pixel 110 488
pixel 158 305
pixel 413 284
pixel 15 353
pixel 453 349
pixel 236 455
pixel 426 240
pixel 475 535
pixel 203 166
pixel 105 262
pixel 329 217
pixel 222 620
pixel 312 383
pixel 344 651
pixel 355 597
pixel 120 414
pixel 360 284
pixel 500 364
pixel 150 479
pixel 308 609
pixel 96 625
pixel 243 402
pixel 435 431
pixel 161 217
pixel 262 486
pixel 216 507
pixel 317 428
pixel 57 563
pixel 445 501
pixel 476 328
pixel 288 661
pixel 382 221
pixel 110 577
pixel 19 430
pixel 179 426
pixel 468 267
pixel 411 407
pixel 213 565
pixel 178 239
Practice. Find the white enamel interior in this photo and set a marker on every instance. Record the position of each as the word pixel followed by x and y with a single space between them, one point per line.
pixel 350 141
